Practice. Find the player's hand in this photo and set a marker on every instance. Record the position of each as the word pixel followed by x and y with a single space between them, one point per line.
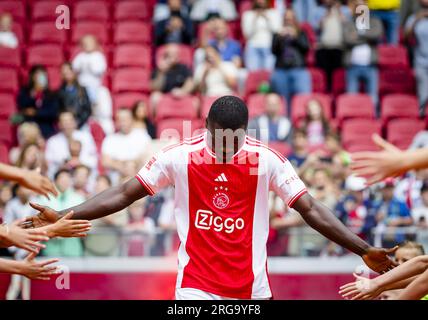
pixel 378 259
pixel 361 289
pixel 376 166
pixel 32 269
pixel 67 228
pixel 33 180
pixel 27 239
pixel 45 217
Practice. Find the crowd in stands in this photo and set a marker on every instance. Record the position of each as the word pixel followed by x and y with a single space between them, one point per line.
pixel 89 105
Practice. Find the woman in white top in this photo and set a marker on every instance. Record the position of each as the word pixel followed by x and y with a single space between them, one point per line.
pixel 258 27
pixel 7 36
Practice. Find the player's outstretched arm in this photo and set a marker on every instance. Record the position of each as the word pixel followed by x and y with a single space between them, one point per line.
pixel 371 288
pixel 31 179
pixel 325 222
pixel 417 289
pixel 37 270
pixel 390 162
pixel 103 204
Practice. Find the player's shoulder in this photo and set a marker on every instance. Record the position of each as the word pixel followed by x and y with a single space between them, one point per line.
pixel 185 145
pixel 264 149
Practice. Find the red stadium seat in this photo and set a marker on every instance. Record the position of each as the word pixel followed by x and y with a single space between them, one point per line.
pixel 54 76
pixel 46 32
pixel 396 80
pixel 244 5
pixel 18 29
pixel 171 107
pixel 9 81
pixel 357 134
pixel 206 103
pixel 132 55
pixel 256 103
pixel 399 106
pixel 132 32
pixel 186 54
pixel 4 153
pixel 354 106
pixel 50 55
pixel 45 10
pixel 319 80
pixel 282 147
pixel 255 79
pixel 6 133
pixel 298 105
pixel 10 57
pixel 15 8
pixel 127 100
pixel 393 56
pixel 400 132
pixel 133 10
pixel 178 128
pixel 7 105
pixel 131 80
pixel 95 28
pixel 91 11
pixel 338 82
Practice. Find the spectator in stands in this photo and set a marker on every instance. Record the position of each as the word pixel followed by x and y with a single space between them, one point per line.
pixel 361 56
pixel 408 8
pixel 420 140
pixel 305 9
pixel 90 65
pixel 202 10
pixel 37 103
pixel 417 27
pixel 164 9
pixel 300 148
pixel 420 212
pixel 392 213
pixel 127 144
pixel 315 124
pixel 81 176
pixel 290 46
pixel 177 28
pixel 5 196
pixel 32 158
pixel 271 125
pixel 258 27
pixel 170 76
pixel 322 188
pixel 387 11
pixel 73 97
pixel 215 77
pixel 8 38
pixel 140 112
pixel 67 198
pixel 328 24
pixel 58 151
pixel 27 133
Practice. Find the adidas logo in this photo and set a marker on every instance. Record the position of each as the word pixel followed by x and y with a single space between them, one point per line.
pixel 221 178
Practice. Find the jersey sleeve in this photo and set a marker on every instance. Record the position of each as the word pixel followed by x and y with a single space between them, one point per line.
pixel 284 180
pixel 157 173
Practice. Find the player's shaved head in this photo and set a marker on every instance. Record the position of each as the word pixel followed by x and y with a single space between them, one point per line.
pixel 229 112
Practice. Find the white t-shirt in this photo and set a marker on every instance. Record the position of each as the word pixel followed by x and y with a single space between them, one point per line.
pixel 8 39
pixel 90 68
pixel 259 31
pixel 216 84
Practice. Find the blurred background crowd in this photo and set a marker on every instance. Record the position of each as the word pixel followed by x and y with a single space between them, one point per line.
pixel 90 104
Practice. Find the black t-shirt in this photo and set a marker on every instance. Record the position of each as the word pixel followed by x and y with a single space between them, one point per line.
pixel 175 77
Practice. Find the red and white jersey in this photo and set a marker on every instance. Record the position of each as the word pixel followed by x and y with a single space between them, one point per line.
pixel 221 212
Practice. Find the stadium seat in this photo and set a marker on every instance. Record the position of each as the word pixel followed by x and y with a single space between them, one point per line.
pixel 282 147
pixel 45 10
pixel 132 55
pixel 399 106
pixel 319 80
pixel 15 8
pixel 98 29
pixel 132 32
pixel 4 153
pixel 298 105
pixel 10 57
pixel 132 10
pixel 170 128
pixel 91 11
pixel 7 105
pixel 244 5
pixel 206 103
pixel 127 100
pixel 54 76
pixel 256 103
pixel 50 55
pixel 9 81
pixel 186 54
pixel 46 32
pixel 396 80
pixel 393 56
pixel 18 29
pixel 6 133
pixel 357 134
pixel 354 106
pixel 400 132
pixel 131 80
pixel 338 82
pixel 255 79
pixel 170 107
